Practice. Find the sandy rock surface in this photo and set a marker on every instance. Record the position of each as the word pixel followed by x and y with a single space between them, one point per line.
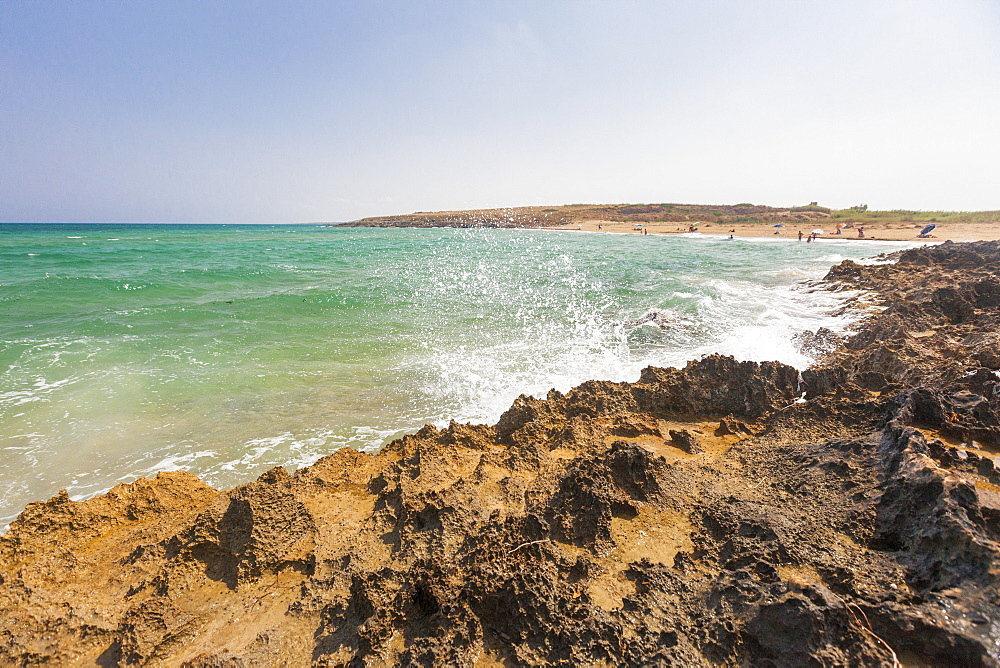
pixel 699 516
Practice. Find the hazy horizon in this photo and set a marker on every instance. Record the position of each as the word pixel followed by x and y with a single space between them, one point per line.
pixel 404 213
pixel 328 112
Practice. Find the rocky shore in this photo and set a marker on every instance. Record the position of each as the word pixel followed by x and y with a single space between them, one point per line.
pixel 734 513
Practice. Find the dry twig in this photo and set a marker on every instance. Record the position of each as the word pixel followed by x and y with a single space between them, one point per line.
pixel 534 542
pixel 866 626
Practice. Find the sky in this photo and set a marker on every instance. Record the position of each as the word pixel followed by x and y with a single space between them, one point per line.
pixel 286 112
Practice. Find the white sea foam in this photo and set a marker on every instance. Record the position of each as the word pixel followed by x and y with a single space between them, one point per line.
pixel 741 318
pixel 38 391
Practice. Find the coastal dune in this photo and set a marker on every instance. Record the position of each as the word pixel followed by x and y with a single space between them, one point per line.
pixel 724 513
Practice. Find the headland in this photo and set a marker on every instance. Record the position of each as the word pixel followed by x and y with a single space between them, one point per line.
pixel 724 513
pixel 741 220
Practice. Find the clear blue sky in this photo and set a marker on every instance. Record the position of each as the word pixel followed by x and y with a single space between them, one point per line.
pixel 329 111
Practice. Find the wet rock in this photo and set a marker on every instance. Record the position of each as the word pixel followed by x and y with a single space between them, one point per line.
pixel 818 381
pixel 718 385
pixel 815 344
pixel 847 270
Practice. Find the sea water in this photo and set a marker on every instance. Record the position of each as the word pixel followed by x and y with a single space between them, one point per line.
pixel 226 350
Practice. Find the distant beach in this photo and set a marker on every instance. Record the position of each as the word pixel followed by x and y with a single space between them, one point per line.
pixel 740 220
pixel 873 231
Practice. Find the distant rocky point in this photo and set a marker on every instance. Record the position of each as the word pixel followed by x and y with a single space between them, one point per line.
pixel 547 216
pixel 578 214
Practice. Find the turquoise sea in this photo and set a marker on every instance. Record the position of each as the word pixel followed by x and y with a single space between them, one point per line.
pixel 226 350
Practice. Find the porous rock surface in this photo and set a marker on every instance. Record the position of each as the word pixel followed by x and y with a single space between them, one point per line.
pixel 699 516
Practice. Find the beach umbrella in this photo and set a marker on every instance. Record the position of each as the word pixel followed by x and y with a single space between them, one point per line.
pixel 818 231
pixel 778 225
pixel 928 228
pixel 841 226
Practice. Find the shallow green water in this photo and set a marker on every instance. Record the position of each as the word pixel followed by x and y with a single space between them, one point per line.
pixel 226 350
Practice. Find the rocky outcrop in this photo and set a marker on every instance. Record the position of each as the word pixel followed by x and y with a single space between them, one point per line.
pixel 700 516
pixel 574 214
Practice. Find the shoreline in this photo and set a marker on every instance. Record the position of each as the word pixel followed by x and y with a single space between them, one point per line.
pixel 819 304
pixel 698 516
pixel 744 219
pixel 958 232
pixel 228 462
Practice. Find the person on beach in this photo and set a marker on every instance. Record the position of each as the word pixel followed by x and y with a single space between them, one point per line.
pixel 861 233
pixel 800 235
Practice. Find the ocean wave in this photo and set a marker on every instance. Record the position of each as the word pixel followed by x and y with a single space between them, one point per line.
pixel 224 367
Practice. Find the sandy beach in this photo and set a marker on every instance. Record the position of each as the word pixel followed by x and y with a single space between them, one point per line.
pixel 740 220
pixel 888 231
